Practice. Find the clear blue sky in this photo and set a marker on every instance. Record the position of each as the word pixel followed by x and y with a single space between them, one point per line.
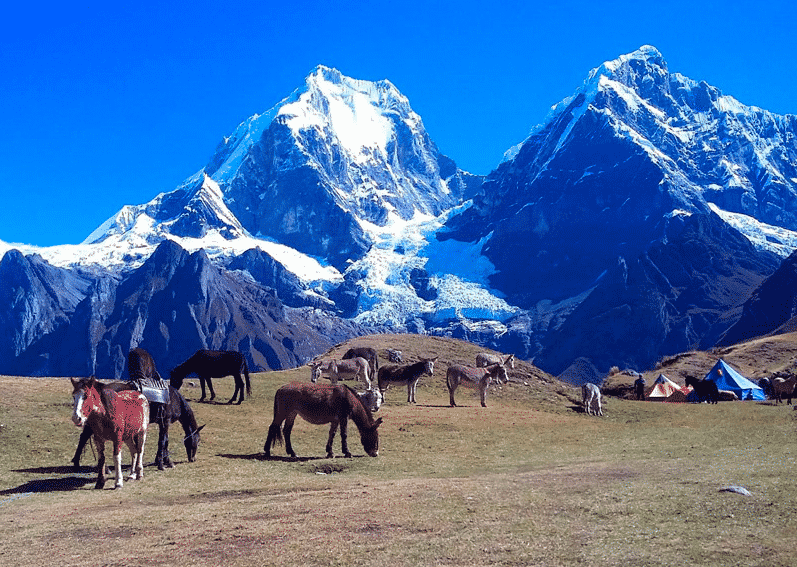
pixel 102 106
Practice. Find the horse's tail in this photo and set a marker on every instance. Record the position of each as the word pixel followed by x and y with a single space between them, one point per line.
pixel 245 368
pixel 275 429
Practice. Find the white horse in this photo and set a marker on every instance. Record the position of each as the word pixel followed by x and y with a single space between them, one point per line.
pixel 486 359
pixel 350 368
pixel 474 377
pixel 591 399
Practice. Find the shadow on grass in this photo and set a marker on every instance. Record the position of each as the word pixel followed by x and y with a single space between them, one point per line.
pixel 51 484
pixel 283 458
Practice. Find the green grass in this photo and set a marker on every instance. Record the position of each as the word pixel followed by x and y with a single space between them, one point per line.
pixel 526 481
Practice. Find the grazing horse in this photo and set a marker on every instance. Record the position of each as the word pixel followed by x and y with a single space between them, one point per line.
pixel 475 377
pixel 209 364
pixel 353 368
pixel 176 410
pixel 591 399
pixel 319 404
pixel 486 359
pixel 705 390
pixel 368 354
pixel 783 388
pixel 119 417
pixel 408 374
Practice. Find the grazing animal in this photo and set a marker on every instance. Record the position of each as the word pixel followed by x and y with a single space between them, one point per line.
pixel 394 356
pixel 209 364
pixel 319 404
pixel 119 417
pixel 486 359
pixel 475 377
pixel 372 399
pixel 176 410
pixel 766 385
pixel 705 390
pixel 408 374
pixel 783 388
pixel 591 399
pixel 353 368
pixel 368 354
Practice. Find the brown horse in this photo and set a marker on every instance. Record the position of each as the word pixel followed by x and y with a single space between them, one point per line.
pixel 408 374
pixel 476 377
pixel 209 364
pixel 119 417
pixel 319 404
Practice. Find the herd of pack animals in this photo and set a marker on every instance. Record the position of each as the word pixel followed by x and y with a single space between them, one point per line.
pixel 120 411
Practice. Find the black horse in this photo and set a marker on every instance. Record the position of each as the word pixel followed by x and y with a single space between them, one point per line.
pixel 705 390
pixel 209 364
pixel 408 374
pixel 176 410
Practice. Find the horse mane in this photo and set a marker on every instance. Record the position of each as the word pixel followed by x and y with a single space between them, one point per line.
pixel 187 417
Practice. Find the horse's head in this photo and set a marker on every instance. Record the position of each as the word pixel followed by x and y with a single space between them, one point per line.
pixel 429 365
pixel 191 443
pixel 315 371
pixel 84 396
pixel 510 361
pixel 372 399
pixel 370 438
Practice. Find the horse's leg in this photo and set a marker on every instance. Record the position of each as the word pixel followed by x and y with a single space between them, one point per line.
pixel 344 446
pixel 483 392
pixel 210 387
pixel 452 387
pixel 117 457
pixel 239 387
pixel 202 384
pixel 333 427
pixel 85 436
pixel 286 433
pixel 134 459
pixel 100 446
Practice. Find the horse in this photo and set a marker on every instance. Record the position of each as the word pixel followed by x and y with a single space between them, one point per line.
pixel 408 374
pixel 119 417
pixel 484 359
pixel 353 368
pixel 209 364
pixel 783 388
pixel 474 377
pixel 705 390
pixel 591 399
pixel 319 404
pixel 368 354
pixel 176 410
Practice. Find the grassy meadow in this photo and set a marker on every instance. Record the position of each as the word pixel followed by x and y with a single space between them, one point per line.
pixel 529 480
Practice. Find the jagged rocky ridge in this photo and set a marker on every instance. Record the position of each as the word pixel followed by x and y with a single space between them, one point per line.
pixel 633 223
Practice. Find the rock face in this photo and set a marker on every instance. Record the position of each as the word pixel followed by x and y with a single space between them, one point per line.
pixel 173 305
pixel 771 308
pixel 622 197
pixel 634 223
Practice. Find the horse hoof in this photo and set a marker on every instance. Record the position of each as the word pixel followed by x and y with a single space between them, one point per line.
pixel 347 455
pixel 99 485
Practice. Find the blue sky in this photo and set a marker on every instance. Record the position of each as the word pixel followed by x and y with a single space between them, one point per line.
pixel 103 106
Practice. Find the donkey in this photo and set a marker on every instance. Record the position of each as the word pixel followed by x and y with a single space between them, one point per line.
pixel 486 359
pixel 319 404
pixel 353 368
pixel 479 378
pixel 368 354
pixel 408 374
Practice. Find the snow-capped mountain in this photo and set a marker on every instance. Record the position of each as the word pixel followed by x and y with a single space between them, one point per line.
pixel 614 174
pixel 633 223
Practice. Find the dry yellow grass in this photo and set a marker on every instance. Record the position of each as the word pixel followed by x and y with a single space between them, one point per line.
pixel 528 480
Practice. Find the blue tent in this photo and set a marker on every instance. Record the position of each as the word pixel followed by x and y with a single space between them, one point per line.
pixel 727 378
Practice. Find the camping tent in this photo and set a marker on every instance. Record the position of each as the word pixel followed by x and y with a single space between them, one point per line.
pixel 665 390
pixel 727 378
